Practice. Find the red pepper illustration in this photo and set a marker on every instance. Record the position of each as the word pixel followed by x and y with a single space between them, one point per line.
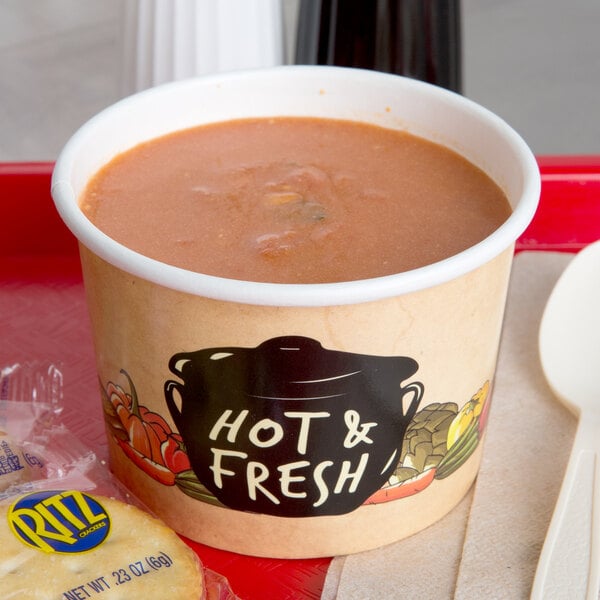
pixel 174 455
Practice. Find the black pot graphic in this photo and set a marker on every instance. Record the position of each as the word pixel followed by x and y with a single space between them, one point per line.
pixel 289 428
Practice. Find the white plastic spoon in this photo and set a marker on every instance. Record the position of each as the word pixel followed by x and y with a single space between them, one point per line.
pixel 569 565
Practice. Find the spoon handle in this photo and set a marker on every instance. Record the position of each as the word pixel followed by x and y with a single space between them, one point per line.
pixel 570 558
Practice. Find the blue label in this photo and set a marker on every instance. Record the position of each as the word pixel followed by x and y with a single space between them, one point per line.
pixel 59 521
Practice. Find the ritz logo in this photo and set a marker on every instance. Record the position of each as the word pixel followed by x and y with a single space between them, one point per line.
pixel 59 521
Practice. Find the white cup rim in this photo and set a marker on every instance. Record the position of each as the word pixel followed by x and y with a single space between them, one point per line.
pixel 314 294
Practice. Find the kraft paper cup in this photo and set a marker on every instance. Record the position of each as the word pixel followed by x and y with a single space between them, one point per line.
pixel 297 420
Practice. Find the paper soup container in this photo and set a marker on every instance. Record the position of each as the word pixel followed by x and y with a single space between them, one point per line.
pixel 306 419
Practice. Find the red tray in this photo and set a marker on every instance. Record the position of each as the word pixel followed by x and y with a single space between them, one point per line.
pixel 41 288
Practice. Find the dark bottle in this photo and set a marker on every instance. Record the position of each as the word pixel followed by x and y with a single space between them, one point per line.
pixel 416 38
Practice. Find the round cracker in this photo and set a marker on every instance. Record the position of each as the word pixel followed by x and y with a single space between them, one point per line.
pixel 121 552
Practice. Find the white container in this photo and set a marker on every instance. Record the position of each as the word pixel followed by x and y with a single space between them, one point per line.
pixel 164 41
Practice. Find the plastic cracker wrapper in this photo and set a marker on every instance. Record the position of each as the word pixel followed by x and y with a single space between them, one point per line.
pixel 68 529
pixel 30 407
pixel 35 447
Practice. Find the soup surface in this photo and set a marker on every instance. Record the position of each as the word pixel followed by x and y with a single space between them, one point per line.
pixel 294 200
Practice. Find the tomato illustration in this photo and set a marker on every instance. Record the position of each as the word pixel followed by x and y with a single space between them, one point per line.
pixel 174 455
pixel 157 471
pixel 144 436
pixel 146 430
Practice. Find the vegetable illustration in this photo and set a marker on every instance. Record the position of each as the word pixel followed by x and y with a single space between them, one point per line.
pixel 467 415
pixel 423 449
pixel 173 454
pixel 157 471
pixel 464 432
pixel 483 416
pixel 403 489
pixel 144 436
pixel 439 439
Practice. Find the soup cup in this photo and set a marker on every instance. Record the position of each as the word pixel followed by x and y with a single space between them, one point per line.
pixel 297 420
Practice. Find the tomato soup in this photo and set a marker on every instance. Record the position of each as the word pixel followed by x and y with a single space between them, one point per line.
pixel 294 200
